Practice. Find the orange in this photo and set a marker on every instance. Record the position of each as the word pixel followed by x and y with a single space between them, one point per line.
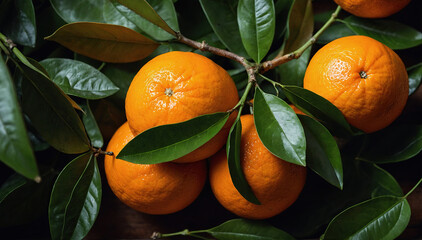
pixel 364 78
pixel 372 8
pixel 152 188
pixel 275 182
pixel 178 86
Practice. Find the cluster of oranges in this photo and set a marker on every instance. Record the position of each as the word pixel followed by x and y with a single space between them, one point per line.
pixel 365 79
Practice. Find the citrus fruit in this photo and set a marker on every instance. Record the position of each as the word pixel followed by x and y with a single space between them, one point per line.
pixel 178 86
pixel 372 8
pixel 275 182
pixel 152 188
pixel 363 78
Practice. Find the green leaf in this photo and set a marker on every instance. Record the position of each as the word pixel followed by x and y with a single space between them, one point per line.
pixel 144 9
pixel 235 168
pixel 79 79
pixel 256 19
pixel 22 200
pixel 293 72
pixel 300 25
pixel 243 229
pixel 51 113
pixel 279 128
pixel 322 153
pixel 415 77
pixel 318 107
pixel 282 9
pixel 384 217
pixel 334 31
pixel 168 142
pixel 393 34
pixel 75 199
pixel 21 27
pixel 164 8
pixel 381 182
pixel 395 143
pixel 222 16
pixel 15 148
pixel 91 126
pixel 104 42
pixel 102 11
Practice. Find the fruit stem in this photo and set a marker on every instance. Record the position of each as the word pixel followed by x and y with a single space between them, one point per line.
pixel 248 88
pixel 268 65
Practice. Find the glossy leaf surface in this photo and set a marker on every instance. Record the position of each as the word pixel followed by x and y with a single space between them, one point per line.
pixel 279 128
pixel 300 25
pixel 415 77
pixel 168 142
pixel 293 72
pixel 104 42
pixel 91 126
pixel 21 26
pixel 78 78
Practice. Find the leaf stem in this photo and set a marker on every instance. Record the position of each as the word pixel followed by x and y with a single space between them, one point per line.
pixel 413 189
pixel 268 65
pixel 186 232
pixel 101 66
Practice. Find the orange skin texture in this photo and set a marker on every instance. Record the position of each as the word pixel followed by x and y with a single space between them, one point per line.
pixel 370 103
pixel 152 188
pixel 372 8
pixel 195 86
pixel 275 182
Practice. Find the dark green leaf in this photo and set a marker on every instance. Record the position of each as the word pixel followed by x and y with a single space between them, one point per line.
pixel 322 153
pixel 79 79
pixel 235 168
pixel 144 9
pixel 282 9
pixel 292 72
pixel 21 27
pixel 318 107
pixel 384 217
pixel 336 30
pixel 222 16
pixel 279 128
pixel 393 34
pixel 415 77
pixel 75 199
pixel 104 42
pixel 164 8
pixel 15 148
pixel 101 11
pixel 300 26
pixel 91 126
pixel 168 142
pixel 243 229
pixel 22 200
pixel 381 181
pixel 256 19
pixel 51 113
pixel 394 144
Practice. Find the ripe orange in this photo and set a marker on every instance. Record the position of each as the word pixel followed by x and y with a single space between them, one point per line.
pixel 175 87
pixel 276 183
pixel 156 188
pixel 372 8
pixel 364 78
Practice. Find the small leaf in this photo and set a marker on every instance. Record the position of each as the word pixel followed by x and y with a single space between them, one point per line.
pixel 222 16
pixel 384 217
pixel 235 168
pixel 256 19
pixel 79 79
pixel 318 107
pixel 15 148
pixel 293 72
pixel 300 25
pixel 104 42
pixel 393 34
pixel 59 124
pixel 91 126
pixel 168 142
pixel 144 9
pixel 21 27
pixel 415 77
pixel 243 229
pixel 75 199
pixel 322 153
pixel 396 143
pixel 279 128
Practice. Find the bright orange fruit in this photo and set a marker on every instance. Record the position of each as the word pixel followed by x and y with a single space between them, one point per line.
pixel 372 8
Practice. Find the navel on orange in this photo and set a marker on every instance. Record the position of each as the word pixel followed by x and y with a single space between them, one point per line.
pixel 175 87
